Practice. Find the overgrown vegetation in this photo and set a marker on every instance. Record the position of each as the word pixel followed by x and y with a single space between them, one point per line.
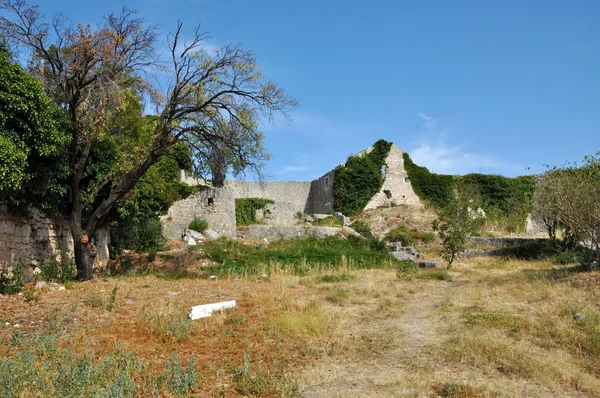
pixel 298 256
pixel 356 182
pixel 12 282
pixel 245 209
pixel 62 270
pixel 198 225
pixel 360 226
pixel 40 366
pixel 504 200
pixel 407 237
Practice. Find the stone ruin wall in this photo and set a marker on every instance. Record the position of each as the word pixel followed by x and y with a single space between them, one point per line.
pixel 215 205
pixel 320 199
pixel 32 238
pixel 289 197
pixel 396 188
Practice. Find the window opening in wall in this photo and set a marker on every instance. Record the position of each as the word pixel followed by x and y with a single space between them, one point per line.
pixel 406 180
pixel 387 193
pixel 326 182
pixel 384 169
pixel 211 203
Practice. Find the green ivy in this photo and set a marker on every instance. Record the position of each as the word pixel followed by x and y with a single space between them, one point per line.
pixel 504 198
pixel 245 209
pixel 356 182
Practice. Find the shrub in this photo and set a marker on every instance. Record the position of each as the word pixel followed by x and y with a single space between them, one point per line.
pixel 143 236
pixel 170 325
pixel 245 209
pixel 400 234
pixel 360 226
pixel 569 257
pixel 13 282
pixel 52 269
pixel 428 237
pixel 198 225
pixel 355 183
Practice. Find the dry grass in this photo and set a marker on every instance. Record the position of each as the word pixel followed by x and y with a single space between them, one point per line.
pixel 488 328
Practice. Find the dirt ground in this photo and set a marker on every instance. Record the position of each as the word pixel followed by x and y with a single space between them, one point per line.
pixel 496 328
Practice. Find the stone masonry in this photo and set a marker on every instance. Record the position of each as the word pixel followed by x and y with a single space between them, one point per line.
pixel 291 198
pixel 32 238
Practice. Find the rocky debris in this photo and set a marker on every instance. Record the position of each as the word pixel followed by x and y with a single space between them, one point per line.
pixel 212 234
pixel 320 216
pixel 190 241
pixel 367 234
pixel 194 234
pixel 579 316
pixel 408 253
pixel 40 285
pixel 342 218
pixel 427 264
pixel 52 286
pixel 278 232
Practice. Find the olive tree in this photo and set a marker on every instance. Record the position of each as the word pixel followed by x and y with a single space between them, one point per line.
pixel 87 71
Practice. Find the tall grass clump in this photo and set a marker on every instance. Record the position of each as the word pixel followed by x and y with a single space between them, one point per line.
pixel 298 256
pixel 198 224
pixel 169 325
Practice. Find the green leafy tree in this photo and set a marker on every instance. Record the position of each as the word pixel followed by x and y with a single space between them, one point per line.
pixel 90 71
pixel 460 218
pixel 34 137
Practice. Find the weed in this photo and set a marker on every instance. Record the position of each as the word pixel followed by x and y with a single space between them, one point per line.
pixel 456 390
pixel 30 293
pixel 181 381
pixel 360 226
pixel 440 275
pixel 11 283
pixel 112 299
pixel 170 325
pixel 311 321
pixel 338 296
pixel 333 278
pixel 249 381
pixel 94 301
pixel 199 225
pixel 328 222
pixel 406 269
pixel 52 269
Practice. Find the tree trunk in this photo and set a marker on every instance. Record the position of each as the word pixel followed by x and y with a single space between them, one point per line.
pixel 84 260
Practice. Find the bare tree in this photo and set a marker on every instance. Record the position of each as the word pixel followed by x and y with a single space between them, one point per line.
pixel 87 70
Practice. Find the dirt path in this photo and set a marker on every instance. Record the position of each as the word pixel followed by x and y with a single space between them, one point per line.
pixel 416 329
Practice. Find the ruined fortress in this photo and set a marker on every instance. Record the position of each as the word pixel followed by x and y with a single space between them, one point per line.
pixel 217 205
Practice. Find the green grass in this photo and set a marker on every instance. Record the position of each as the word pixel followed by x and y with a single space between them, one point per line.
pixel 298 256
pixel 407 237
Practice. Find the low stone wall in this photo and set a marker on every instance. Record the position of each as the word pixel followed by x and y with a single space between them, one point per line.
pixel 215 205
pixel 280 232
pixel 31 238
pixel 503 242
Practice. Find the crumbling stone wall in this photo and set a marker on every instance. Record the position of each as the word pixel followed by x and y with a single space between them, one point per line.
pixel 215 205
pixel 31 238
pixel 396 188
pixel 320 198
pixel 289 197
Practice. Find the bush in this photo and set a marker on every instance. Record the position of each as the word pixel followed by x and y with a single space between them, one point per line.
pixel 198 225
pixel 143 236
pixel 569 257
pixel 400 234
pixel 61 271
pixel 13 282
pixel 245 209
pixel 356 182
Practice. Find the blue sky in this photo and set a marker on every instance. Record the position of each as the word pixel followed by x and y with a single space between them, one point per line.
pixel 501 87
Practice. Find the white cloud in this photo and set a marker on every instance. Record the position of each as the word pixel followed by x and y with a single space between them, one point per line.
pixel 433 151
pixel 293 169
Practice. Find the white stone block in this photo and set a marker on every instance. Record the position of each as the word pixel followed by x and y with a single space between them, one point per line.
pixel 206 310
